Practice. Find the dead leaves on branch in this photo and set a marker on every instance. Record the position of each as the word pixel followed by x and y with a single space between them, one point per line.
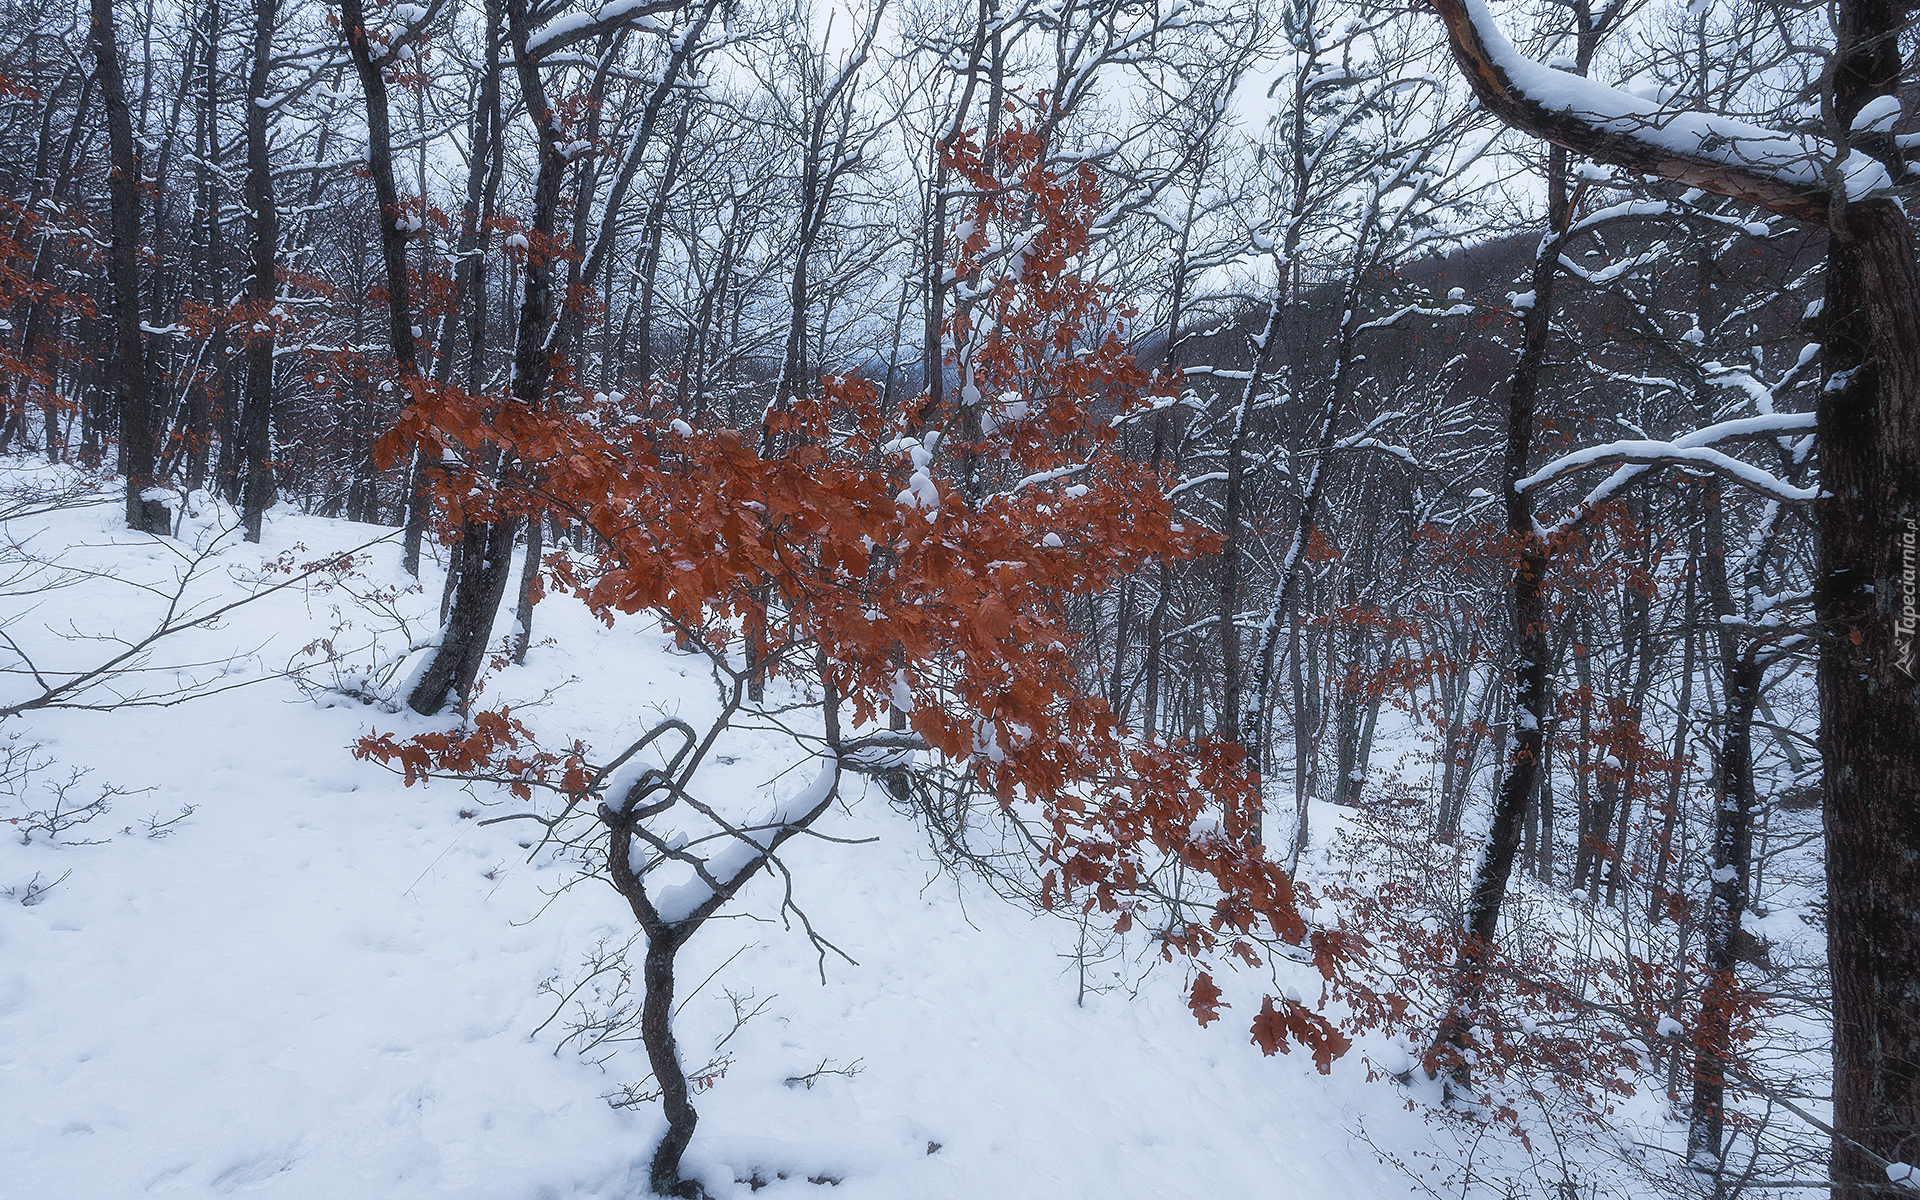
pixel 954 590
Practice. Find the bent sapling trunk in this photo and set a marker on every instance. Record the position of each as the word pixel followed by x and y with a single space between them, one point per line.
pixel 721 863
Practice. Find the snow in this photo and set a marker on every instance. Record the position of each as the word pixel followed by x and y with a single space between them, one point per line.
pixel 1670 1027
pixel 571 26
pixel 1797 160
pixel 1876 115
pixel 324 984
pixel 1689 449
pixel 746 846
pixel 921 490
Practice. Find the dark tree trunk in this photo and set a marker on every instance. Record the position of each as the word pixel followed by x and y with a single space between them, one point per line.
pixel 1663 853
pixel 1869 682
pixel 1732 854
pixel 529 588
pixel 1528 588
pixel 486 563
pixel 663 1055
pixel 127 376
pixel 393 238
pixel 256 421
pixel 486 560
pixel 194 433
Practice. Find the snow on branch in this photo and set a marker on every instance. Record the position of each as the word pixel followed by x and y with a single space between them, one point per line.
pixel 570 29
pixel 1693 450
pixel 1415 310
pixel 716 878
pixel 1781 172
pixel 1653 453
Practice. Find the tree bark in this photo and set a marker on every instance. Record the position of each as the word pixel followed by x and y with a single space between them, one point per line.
pixel 393 237
pixel 663 1055
pixel 1732 853
pixel 256 422
pixel 529 588
pixel 1869 683
pixel 126 366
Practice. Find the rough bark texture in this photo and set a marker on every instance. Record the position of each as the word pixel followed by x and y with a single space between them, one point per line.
pixel 482 576
pixel 529 588
pixel 393 238
pixel 663 1055
pixel 480 580
pixel 1732 854
pixel 1869 519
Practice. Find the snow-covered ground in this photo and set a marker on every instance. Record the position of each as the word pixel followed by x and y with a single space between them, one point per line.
pixel 321 983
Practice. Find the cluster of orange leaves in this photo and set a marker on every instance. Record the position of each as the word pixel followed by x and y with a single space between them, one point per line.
pixel 815 544
pixel 21 229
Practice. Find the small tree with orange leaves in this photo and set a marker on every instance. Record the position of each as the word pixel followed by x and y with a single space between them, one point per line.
pixel 918 563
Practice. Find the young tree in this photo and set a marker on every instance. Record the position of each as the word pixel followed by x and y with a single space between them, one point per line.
pixel 918 598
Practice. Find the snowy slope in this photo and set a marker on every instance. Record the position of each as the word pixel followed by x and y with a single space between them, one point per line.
pixel 323 984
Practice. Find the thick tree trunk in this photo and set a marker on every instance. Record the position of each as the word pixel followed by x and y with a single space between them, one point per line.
pixel 486 561
pixel 393 237
pixel 256 421
pixel 393 243
pixel 1865 597
pixel 1869 682
pixel 127 376
pixel 479 582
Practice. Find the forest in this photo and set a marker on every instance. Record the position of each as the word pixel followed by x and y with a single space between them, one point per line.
pixel 1385 534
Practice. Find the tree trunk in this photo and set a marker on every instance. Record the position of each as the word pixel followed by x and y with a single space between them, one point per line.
pixel 256 421
pixel 486 561
pixel 1865 596
pixel 1528 588
pixel 663 1055
pixel 529 588
pixel 479 582
pixel 127 376
pixel 1869 683
pixel 1732 849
